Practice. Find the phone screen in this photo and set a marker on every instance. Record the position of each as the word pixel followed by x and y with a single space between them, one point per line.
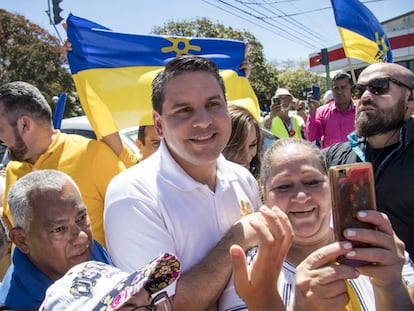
pixel 315 92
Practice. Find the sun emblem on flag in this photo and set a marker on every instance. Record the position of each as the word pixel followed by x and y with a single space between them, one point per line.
pixel 382 47
pixel 181 46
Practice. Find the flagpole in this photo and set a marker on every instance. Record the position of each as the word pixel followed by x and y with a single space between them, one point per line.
pixel 352 70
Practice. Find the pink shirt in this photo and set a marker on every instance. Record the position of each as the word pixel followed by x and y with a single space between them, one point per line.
pixel 330 125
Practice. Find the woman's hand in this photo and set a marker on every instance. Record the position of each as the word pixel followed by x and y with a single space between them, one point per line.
pixel 320 281
pixel 256 284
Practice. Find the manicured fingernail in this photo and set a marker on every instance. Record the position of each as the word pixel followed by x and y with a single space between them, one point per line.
pixel 347 245
pixel 264 208
pixel 362 214
pixel 350 232
pixel 351 254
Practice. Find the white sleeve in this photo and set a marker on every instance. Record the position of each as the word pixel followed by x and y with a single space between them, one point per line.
pixel 135 231
pixel 408 271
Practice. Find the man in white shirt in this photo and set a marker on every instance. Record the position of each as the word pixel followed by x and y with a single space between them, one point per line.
pixel 186 198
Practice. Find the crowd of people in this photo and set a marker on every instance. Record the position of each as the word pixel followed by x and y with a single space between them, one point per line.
pixel 230 228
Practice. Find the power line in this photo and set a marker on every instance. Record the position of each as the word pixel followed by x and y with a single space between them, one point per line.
pixel 265 14
pixel 250 17
pixel 294 25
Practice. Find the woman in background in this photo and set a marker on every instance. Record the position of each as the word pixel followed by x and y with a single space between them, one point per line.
pixel 245 142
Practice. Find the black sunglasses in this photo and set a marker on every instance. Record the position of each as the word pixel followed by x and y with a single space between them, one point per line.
pixel 379 86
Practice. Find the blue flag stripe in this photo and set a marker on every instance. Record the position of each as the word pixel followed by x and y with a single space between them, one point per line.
pixel 142 50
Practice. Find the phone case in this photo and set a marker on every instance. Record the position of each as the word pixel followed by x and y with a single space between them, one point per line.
pixel 315 92
pixel 352 190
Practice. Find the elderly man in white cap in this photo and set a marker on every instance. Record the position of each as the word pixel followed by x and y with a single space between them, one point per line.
pixel 278 120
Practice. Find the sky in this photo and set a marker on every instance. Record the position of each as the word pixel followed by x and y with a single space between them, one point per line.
pixel 288 29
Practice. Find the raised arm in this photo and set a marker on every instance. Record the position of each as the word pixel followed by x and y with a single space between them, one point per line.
pixel 313 128
pixel 201 286
pixel 257 284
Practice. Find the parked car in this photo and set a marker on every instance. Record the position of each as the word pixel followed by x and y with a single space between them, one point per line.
pixel 268 139
pixel 81 126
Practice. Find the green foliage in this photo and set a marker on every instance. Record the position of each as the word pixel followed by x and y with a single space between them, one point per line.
pixel 298 80
pixel 263 76
pixel 29 53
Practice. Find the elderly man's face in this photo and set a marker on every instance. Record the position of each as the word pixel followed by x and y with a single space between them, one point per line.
pixel 60 235
pixel 285 102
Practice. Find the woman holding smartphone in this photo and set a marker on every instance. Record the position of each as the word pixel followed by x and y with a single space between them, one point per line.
pixel 295 179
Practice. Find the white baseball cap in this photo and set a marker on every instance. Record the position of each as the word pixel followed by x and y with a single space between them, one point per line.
pixel 328 96
pixel 94 285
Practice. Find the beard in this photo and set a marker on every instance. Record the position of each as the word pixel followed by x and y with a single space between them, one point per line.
pixel 380 121
pixel 19 150
pixel 285 108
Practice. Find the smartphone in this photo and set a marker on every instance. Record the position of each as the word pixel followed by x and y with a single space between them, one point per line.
pixel 276 100
pixel 352 190
pixel 315 92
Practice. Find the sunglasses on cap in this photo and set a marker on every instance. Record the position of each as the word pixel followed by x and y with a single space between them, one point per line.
pixel 379 86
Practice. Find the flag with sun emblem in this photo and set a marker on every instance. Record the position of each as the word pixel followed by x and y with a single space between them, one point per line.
pixel 113 71
pixel 362 35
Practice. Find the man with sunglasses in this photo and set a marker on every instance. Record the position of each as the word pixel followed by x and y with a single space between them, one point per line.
pixel 331 123
pixel 384 136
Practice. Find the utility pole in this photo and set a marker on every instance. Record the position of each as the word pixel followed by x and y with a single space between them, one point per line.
pixel 325 61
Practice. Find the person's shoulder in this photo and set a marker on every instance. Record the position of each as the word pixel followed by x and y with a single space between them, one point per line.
pixel 88 144
pixel 142 172
pixel 296 117
pixel 326 107
pixel 74 138
pixel 99 253
pixel 231 170
pixel 13 166
pixel 338 153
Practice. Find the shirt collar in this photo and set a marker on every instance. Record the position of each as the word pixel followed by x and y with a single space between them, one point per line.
pixel 170 170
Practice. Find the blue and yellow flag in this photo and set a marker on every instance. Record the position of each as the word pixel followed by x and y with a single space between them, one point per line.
pixel 113 71
pixel 362 35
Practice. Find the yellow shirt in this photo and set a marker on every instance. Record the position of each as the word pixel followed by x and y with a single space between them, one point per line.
pixel 90 163
pixel 128 157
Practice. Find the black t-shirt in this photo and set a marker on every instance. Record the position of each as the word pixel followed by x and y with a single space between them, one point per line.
pixel 376 156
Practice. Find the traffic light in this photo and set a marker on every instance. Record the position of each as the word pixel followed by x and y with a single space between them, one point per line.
pixel 324 57
pixel 56 11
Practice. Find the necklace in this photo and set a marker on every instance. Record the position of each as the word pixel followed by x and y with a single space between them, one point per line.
pixel 289 127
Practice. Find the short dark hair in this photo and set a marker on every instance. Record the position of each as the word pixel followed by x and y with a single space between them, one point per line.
pixel 21 98
pixel 141 134
pixel 180 65
pixel 343 76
